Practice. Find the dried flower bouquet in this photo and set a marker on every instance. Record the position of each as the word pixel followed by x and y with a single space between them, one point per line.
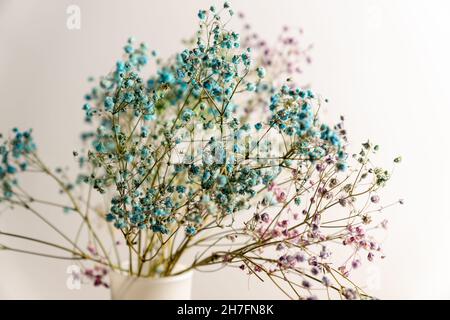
pixel 218 158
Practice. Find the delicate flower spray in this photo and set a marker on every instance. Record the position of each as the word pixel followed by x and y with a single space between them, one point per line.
pixel 218 154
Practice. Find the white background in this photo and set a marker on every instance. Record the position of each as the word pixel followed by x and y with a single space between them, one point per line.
pixel 383 64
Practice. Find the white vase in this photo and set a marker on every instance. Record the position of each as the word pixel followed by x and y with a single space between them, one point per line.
pixel 125 287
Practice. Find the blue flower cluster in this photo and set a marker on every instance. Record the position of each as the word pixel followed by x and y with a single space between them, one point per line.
pixel 292 114
pixel 213 68
pixel 122 90
pixel 142 124
pixel 15 155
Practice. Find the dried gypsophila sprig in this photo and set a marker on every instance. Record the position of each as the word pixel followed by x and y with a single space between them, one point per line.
pixel 301 237
pixel 287 55
pixel 229 167
pixel 283 60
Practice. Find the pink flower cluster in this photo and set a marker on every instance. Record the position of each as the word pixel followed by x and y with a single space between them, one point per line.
pixel 358 238
pixel 97 275
pixel 280 194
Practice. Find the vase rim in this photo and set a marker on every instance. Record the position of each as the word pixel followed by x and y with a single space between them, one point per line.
pixel 172 278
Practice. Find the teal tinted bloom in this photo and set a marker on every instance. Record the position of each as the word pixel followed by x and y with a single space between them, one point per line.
pixel 120 67
pixel 160 228
pixel 120 223
pixel 144 132
pixel 109 104
pixel 149 117
pixel 206 176
pixel 342 155
pixel 142 60
pixel 228 76
pixel 221 180
pixel 100 146
pixel 23 166
pixel 129 83
pixel 11 169
pixel 129 158
pixel 145 152
pixel 329 135
pixel 128 97
pixel 168 203
pixel 128 49
pixel 166 77
pixel 261 72
pixel 190 230
pixel 160 212
pixel 187 115
pixel 180 189
pixel 202 14
pixel 341 166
